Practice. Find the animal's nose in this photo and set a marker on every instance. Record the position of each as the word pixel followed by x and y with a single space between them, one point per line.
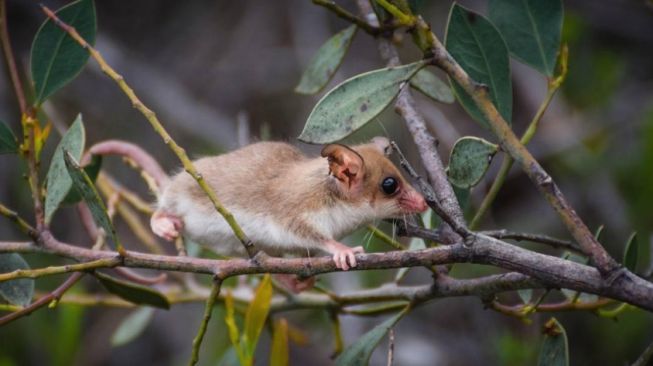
pixel 415 202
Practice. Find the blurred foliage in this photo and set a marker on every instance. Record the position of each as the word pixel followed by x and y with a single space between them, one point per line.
pixel 515 350
pixel 594 70
pixel 635 174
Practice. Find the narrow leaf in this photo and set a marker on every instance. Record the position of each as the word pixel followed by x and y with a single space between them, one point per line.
pixel 279 349
pixel 85 188
pixel 598 233
pixel 431 86
pixel 92 170
pixel 8 142
pixel 479 49
pixel 352 104
pixel 631 252
pixel 257 312
pixel 554 348
pixel 234 333
pixel 470 158
pixel 18 291
pixel 132 292
pixel 532 30
pixel 360 351
pixel 59 181
pixel 326 62
pixel 57 58
pixel 132 326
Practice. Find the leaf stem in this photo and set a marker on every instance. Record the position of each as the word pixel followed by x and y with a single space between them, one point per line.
pixel 208 309
pixel 385 237
pixel 344 14
pixel 402 18
pixel 24 227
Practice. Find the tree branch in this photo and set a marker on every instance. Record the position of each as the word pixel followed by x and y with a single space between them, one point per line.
pixel 547 270
pixel 511 144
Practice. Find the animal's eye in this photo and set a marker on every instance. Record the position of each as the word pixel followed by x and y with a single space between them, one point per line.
pixel 389 185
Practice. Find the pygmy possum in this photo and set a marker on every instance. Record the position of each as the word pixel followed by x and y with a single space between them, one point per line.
pixel 286 202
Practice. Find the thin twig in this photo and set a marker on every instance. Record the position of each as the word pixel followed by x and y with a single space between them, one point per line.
pixel 24 227
pixel 53 296
pixel 537 238
pixel 519 310
pixel 430 195
pixel 344 14
pixel 208 309
pixel 160 130
pixel 54 270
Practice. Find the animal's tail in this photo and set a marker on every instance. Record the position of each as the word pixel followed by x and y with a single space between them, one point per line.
pixel 135 153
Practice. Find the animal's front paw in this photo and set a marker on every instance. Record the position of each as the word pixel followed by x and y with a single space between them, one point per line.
pixel 343 256
pixel 166 226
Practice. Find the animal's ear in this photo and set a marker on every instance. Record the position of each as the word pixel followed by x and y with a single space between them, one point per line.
pixel 345 164
pixel 382 144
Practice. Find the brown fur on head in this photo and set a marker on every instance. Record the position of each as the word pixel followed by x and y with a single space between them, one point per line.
pixel 364 173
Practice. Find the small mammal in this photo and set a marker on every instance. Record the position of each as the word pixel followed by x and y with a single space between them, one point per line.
pixel 287 202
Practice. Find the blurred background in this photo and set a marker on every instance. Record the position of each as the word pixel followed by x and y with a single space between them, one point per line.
pixel 207 67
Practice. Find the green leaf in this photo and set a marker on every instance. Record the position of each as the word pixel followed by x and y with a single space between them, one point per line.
pixel 554 350
pixel 326 62
pixel 279 348
pixel 431 86
pixel 59 182
pixel 532 30
pixel 631 252
pixel 85 188
pixel 132 292
pixel 360 351
pixel 479 49
pixel 526 295
pixel 92 170
pixel 234 333
pixel 353 103
pixel 68 328
pixel 8 142
pixel 257 312
pixel 18 291
pixel 132 326
pixel 470 158
pixel 57 58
